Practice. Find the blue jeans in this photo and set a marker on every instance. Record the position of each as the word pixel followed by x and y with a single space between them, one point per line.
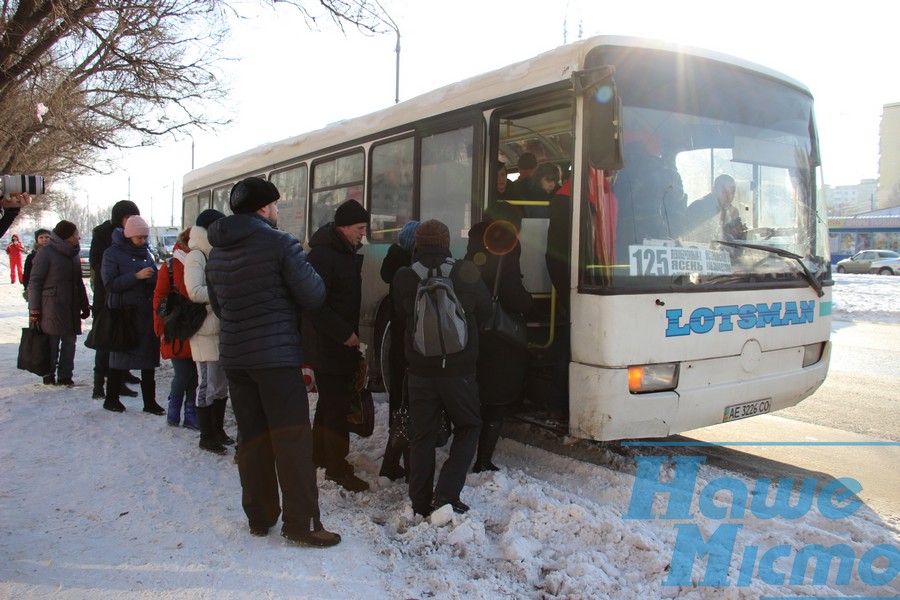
pixel 62 356
pixel 184 384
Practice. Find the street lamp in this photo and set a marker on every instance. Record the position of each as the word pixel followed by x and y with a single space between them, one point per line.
pixel 397 68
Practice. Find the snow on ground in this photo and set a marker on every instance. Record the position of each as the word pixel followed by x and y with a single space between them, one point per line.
pixel 101 505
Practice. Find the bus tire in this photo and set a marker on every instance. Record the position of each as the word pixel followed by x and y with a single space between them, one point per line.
pixel 379 375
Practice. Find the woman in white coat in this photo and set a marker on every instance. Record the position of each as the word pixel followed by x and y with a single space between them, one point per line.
pixel 212 395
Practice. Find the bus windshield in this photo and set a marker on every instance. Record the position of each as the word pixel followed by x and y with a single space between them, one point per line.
pixel 717 186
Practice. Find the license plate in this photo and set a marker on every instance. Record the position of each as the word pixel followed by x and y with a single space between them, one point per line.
pixel 747 409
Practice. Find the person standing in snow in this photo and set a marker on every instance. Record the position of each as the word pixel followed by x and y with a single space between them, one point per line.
pixel 15 250
pixel 436 382
pixel 213 398
pixel 101 240
pixel 501 382
pixel 41 239
pixel 129 276
pixel 183 391
pixel 331 338
pixel 398 255
pixel 58 301
pixel 259 283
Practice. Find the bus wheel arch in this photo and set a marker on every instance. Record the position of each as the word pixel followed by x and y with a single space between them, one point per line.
pixel 380 370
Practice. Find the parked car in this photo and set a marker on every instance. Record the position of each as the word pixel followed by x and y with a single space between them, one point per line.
pixel 861 261
pixel 888 266
pixel 84 256
pixel 154 253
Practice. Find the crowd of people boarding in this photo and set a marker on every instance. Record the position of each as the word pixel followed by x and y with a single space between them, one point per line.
pixel 272 308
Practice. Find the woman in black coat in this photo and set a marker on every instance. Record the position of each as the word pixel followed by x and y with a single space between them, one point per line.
pixel 399 255
pixel 129 276
pixel 502 366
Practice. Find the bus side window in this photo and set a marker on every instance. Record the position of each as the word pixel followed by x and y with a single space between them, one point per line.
pixel 391 201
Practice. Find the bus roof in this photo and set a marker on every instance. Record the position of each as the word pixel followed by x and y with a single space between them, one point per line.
pixel 548 68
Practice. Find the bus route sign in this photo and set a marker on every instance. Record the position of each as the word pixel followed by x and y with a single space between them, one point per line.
pixel 675 260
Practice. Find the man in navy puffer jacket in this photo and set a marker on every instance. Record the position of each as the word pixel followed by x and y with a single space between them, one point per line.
pixel 259 282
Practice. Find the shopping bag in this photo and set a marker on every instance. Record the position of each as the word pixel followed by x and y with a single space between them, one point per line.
pixel 361 416
pixel 113 330
pixel 34 351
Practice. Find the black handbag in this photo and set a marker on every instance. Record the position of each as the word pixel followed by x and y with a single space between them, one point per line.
pixel 361 414
pixel 34 351
pixel 113 330
pixel 501 323
pixel 400 431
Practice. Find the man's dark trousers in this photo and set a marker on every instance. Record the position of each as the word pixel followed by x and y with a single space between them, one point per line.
pixel 272 412
pixel 331 433
pixel 458 395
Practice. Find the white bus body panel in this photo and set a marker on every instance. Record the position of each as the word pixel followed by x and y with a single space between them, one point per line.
pixel 719 368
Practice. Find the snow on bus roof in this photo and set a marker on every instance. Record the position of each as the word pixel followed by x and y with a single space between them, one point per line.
pixel 544 69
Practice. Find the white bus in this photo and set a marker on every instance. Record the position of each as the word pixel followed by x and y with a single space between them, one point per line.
pixel 672 325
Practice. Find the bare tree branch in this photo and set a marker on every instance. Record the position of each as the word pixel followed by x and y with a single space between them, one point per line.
pixel 117 74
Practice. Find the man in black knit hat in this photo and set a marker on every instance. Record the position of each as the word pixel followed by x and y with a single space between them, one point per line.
pixel 331 338
pixel 259 285
pixel 101 240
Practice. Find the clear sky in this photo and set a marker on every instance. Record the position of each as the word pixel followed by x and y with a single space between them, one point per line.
pixel 290 80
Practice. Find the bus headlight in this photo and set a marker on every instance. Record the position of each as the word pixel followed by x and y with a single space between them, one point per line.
pixel 812 353
pixel 652 378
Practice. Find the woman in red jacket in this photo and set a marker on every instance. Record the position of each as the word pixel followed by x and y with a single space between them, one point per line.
pixel 15 251
pixel 184 384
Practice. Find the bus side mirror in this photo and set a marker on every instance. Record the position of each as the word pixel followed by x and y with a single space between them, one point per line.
pixel 603 116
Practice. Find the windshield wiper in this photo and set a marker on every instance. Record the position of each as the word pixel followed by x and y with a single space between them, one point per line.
pixel 813 281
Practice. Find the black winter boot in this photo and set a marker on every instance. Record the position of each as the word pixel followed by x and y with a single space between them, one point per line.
pixel 111 401
pixel 148 391
pixel 390 465
pixel 208 440
pixel 99 380
pixel 487 442
pixel 219 406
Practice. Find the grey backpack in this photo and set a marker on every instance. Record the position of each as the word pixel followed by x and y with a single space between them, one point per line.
pixel 439 323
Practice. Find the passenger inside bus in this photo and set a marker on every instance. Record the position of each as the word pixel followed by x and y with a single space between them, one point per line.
pixel 505 187
pixel 714 216
pixel 541 184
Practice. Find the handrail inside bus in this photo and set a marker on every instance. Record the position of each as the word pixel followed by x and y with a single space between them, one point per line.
pixel 552 335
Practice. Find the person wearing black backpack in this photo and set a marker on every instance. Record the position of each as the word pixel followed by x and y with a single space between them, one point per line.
pixel 441 381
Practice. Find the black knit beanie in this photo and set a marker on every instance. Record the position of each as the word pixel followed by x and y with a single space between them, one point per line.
pixel 350 212
pixel 65 229
pixel 251 194
pixel 208 216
